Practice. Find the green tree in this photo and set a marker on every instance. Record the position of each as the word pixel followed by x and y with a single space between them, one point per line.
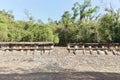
pixel 106 28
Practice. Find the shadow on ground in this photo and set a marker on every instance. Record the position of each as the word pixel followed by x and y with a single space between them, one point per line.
pixel 55 72
pixel 62 76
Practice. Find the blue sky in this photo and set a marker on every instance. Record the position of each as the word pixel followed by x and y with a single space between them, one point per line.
pixel 44 9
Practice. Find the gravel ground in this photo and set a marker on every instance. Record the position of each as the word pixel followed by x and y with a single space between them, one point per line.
pixel 59 65
pixel 59 60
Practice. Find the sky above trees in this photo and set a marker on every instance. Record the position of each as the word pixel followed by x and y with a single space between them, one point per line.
pixel 44 9
pixel 81 23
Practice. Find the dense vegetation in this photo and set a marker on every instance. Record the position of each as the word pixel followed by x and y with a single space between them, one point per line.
pixel 84 25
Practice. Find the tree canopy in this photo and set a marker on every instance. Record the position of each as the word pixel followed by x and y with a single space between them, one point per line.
pixel 84 24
